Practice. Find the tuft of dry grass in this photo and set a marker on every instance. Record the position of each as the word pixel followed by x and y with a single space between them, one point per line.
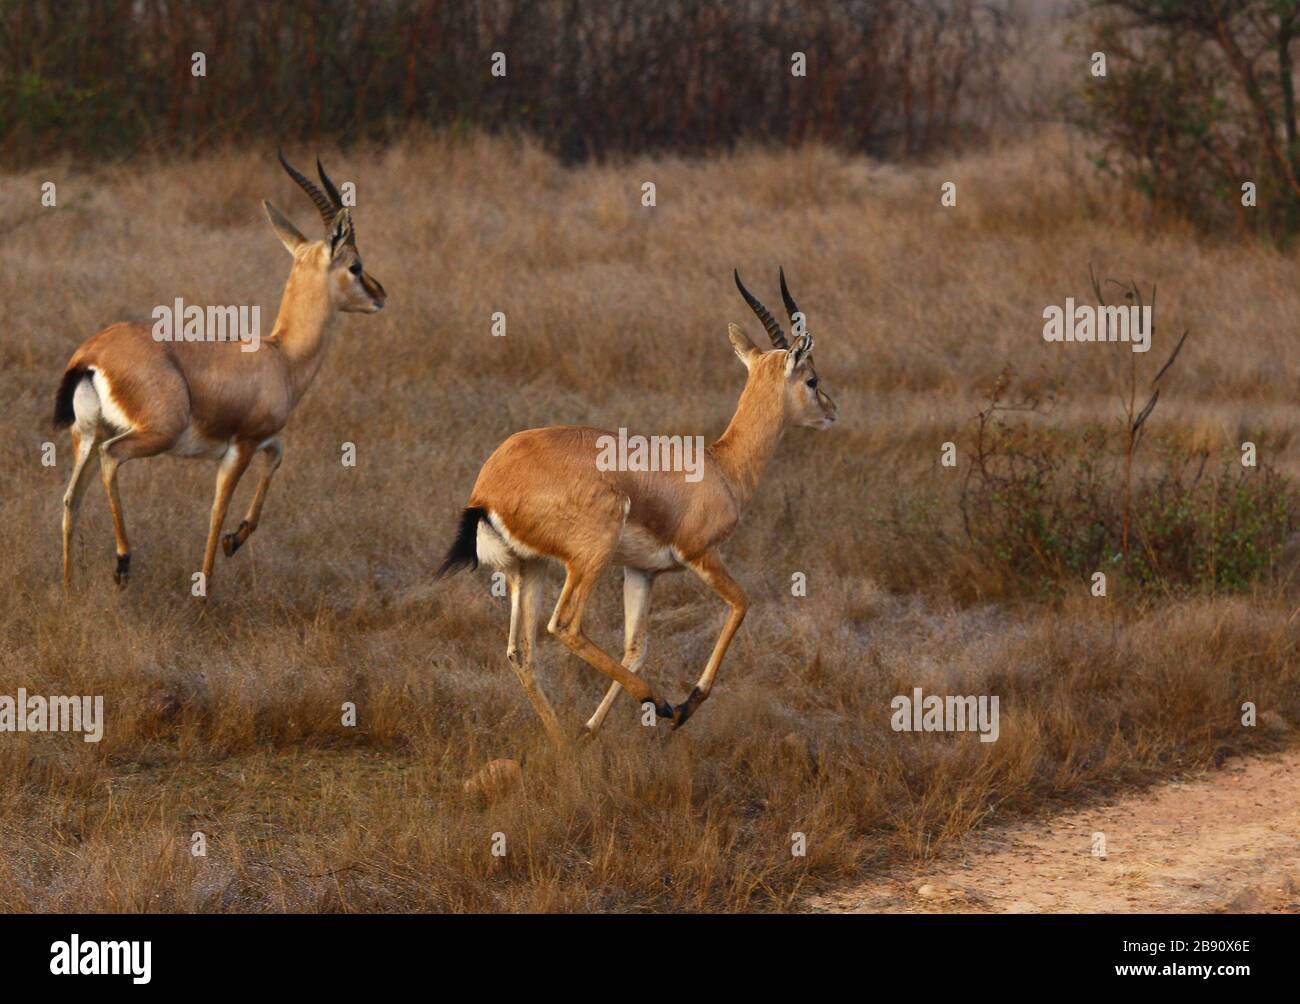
pixel 225 719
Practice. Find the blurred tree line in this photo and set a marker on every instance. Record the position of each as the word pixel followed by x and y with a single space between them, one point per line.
pixel 590 78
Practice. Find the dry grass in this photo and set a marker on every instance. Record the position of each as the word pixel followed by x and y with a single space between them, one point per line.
pixel 226 719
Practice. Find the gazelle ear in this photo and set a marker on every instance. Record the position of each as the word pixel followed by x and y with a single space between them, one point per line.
pixel 798 352
pixel 340 231
pixel 745 349
pixel 286 231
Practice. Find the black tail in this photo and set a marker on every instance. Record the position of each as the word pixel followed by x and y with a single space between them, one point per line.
pixel 464 550
pixel 64 415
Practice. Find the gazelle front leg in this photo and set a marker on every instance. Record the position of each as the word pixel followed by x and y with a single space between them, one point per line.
pixel 232 542
pixel 232 468
pixel 636 621
pixel 710 568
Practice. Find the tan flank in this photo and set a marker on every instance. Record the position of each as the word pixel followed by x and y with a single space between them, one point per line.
pixel 543 495
pixel 127 395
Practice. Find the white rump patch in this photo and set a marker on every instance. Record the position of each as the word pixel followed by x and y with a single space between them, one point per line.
pixel 109 412
pixel 497 548
pixel 85 405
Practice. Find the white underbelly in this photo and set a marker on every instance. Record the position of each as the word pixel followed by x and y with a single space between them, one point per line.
pixel 637 547
pixel 640 549
pixel 191 444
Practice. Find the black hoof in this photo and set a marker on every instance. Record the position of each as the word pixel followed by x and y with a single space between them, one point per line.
pixel 662 708
pixel 123 571
pixel 687 708
pixel 232 542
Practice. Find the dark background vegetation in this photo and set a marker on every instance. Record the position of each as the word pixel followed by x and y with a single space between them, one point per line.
pixel 589 77
pixel 1199 98
pixel 1199 94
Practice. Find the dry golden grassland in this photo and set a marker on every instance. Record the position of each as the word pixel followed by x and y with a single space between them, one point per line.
pixel 225 718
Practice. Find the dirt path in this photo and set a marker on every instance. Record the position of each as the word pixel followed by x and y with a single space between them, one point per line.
pixel 1227 841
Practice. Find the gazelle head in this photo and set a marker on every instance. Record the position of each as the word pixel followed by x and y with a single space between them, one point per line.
pixel 335 259
pixel 787 369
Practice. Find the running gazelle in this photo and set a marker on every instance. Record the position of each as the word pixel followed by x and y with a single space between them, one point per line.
pixel 127 395
pixel 543 495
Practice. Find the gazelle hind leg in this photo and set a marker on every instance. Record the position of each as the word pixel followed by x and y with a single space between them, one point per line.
pixel 566 624
pixel 232 542
pixel 84 444
pixel 525 581
pixel 636 621
pixel 112 454
pixel 711 569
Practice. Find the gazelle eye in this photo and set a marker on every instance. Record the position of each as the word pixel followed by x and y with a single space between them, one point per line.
pixel 356 268
pixel 812 382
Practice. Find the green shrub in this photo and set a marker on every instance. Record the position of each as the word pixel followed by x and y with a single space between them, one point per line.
pixel 1049 507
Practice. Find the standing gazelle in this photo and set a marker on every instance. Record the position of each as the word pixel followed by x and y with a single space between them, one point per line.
pixel 127 395
pixel 544 494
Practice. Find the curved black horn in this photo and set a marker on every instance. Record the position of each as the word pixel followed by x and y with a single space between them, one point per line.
pixel 329 186
pixel 327 211
pixel 769 322
pixel 791 308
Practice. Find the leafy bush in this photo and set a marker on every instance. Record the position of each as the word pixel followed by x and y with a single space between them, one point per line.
pixel 1051 508
pixel 1221 531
